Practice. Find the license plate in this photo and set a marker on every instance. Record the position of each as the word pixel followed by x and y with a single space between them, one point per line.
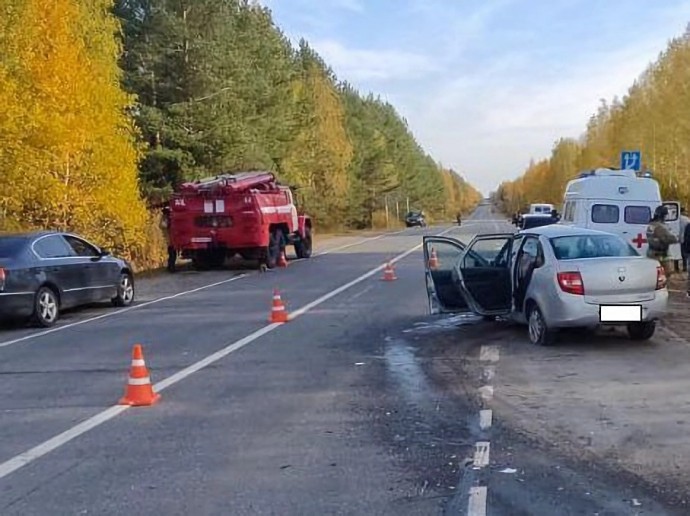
pixel 201 240
pixel 620 313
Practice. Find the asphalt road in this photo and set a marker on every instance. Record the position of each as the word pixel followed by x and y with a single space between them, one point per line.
pixel 362 404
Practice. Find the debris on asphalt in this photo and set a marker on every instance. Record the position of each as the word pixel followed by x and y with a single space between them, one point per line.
pixel 509 470
pixel 359 363
pixel 636 502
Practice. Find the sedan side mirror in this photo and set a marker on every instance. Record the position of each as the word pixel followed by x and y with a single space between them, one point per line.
pixel 104 252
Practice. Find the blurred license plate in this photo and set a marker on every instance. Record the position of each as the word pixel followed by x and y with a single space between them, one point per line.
pixel 201 240
pixel 620 313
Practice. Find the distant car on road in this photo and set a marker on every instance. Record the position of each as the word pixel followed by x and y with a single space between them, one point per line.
pixel 549 278
pixel 43 273
pixel 415 218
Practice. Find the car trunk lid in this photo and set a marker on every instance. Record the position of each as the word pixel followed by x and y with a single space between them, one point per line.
pixel 616 279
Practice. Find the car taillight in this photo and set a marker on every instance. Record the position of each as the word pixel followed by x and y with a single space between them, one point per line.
pixel 660 277
pixel 571 282
pixel 3 277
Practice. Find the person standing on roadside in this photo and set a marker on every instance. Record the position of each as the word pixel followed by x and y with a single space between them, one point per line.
pixel 684 222
pixel 165 226
pixel 660 239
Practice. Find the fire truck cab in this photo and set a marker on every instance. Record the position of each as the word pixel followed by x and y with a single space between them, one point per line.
pixel 621 202
pixel 247 213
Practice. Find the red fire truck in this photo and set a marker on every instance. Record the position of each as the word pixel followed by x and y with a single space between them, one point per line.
pixel 247 213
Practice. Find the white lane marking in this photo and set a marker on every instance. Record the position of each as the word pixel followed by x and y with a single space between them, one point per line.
pixel 487 392
pixel 167 298
pixel 10 466
pixel 477 502
pixel 488 354
pixel 485 418
pixel 359 242
pixel 481 454
pixel 118 312
pixel 489 373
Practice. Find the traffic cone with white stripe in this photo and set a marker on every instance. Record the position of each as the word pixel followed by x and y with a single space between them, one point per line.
pixel 433 259
pixel 278 312
pixel 389 273
pixel 139 391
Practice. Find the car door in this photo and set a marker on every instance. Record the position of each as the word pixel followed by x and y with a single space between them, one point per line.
pixel 468 278
pixel 102 273
pixel 57 264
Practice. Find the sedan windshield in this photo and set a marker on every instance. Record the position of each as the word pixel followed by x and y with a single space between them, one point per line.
pixel 11 246
pixel 590 246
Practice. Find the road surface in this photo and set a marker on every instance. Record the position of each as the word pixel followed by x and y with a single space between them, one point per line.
pixel 362 404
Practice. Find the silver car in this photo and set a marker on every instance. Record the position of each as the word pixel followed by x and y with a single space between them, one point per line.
pixel 548 278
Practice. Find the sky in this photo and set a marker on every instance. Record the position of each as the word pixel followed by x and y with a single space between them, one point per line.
pixel 486 85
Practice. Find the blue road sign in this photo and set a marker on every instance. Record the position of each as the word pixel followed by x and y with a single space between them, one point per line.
pixel 631 160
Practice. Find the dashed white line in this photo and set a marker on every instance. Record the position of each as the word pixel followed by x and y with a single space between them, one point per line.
pixel 488 354
pixel 485 419
pixel 486 392
pixel 481 454
pixel 477 503
pixel 10 466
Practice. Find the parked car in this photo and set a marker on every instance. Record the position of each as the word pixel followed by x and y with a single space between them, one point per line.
pixel 548 278
pixel 43 273
pixel 530 220
pixel 415 218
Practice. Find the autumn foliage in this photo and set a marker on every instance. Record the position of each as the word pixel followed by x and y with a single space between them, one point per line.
pixel 107 105
pixel 652 117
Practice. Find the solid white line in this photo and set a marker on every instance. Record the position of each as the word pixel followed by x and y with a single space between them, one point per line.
pixel 477 502
pixel 488 354
pixel 485 418
pixel 10 466
pixel 118 312
pixel 481 454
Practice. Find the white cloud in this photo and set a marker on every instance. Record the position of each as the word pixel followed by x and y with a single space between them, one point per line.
pixel 358 65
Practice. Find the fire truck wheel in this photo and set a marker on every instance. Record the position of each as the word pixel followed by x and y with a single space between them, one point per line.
pixel 304 245
pixel 275 246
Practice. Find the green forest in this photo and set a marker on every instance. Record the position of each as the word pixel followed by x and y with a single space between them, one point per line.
pixel 653 117
pixel 108 105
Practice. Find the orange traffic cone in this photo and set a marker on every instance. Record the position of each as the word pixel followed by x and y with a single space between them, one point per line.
pixel 433 260
pixel 278 312
pixel 282 260
pixel 139 391
pixel 389 273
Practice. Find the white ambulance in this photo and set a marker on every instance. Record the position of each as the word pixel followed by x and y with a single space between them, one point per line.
pixel 540 209
pixel 621 202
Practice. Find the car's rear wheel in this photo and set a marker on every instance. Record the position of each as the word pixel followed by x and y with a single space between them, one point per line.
pixel 641 330
pixel 125 290
pixel 46 307
pixel 539 333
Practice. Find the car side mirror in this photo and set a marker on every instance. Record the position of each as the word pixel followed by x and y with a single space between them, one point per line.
pixel 104 252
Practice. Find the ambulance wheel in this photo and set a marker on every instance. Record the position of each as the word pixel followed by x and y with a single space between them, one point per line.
pixel 275 247
pixel 303 246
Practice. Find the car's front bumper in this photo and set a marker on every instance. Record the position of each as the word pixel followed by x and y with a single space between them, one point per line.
pixel 572 311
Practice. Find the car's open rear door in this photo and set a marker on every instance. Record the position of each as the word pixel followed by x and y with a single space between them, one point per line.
pixel 441 260
pixel 485 276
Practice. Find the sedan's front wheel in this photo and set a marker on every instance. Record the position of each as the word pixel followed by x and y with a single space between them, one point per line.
pixel 125 290
pixel 46 307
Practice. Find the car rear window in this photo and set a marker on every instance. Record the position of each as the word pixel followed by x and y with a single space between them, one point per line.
pixel 576 247
pixel 10 247
pixel 637 214
pixel 535 222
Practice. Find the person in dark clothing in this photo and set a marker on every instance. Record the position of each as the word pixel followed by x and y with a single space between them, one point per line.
pixel 686 252
pixel 165 226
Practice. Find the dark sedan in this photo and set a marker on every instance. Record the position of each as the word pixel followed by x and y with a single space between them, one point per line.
pixel 415 218
pixel 44 273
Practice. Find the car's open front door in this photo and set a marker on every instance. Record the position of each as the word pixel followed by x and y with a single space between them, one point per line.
pixel 485 277
pixel 673 222
pixel 441 261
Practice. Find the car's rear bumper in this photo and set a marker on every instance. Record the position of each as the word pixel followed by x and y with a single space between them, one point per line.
pixel 574 312
pixel 13 306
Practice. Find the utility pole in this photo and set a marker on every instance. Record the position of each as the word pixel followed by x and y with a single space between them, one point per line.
pixel 387 224
pixel 408 205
